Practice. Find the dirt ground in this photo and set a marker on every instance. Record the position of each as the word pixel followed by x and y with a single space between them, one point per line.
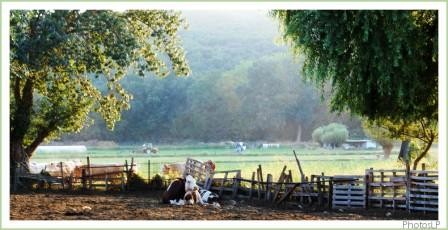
pixel 146 206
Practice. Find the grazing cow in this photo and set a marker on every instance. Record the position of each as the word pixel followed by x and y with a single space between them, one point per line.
pixel 208 196
pixel 174 192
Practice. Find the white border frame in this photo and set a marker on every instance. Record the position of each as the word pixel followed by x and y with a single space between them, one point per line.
pixel 7 6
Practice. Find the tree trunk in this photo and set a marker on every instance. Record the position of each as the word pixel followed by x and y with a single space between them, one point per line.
pixel 423 154
pixel 19 160
pixel 387 149
pixel 299 133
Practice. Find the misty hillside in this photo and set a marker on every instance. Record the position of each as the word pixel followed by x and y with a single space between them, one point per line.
pixel 243 86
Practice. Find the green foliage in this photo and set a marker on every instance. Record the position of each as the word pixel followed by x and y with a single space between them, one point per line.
pixel 317 135
pixel 380 135
pixel 156 182
pixel 423 132
pixel 333 134
pixel 137 183
pixel 56 56
pixel 381 64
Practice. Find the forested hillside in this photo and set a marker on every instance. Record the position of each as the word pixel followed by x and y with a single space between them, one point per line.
pixel 243 86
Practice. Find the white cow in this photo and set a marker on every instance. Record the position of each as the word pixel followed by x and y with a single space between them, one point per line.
pixel 176 169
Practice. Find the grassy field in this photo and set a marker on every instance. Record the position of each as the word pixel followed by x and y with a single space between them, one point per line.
pixel 314 161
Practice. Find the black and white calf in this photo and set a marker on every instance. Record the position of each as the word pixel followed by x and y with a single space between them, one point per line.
pixel 208 196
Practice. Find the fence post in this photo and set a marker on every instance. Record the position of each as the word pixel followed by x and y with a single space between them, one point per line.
pixel 252 184
pixel 268 187
pixel 149 171
pixel 330 192
pixel 258 183
pixel 319 189
pixel 127 174
pixel 62 174
pixel 261 176
pixel 236 184
pixel 408 186
pixel 89 173
pixel 83 179
pixel 367 187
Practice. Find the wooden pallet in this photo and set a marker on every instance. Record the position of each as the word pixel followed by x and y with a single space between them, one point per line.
pixel 423 191
pixel 386 188
pixel 349 192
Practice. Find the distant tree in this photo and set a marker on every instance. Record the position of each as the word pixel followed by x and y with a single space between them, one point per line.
pixel 380 135
pixel 57 55
pixel 333 134
pixel 317 135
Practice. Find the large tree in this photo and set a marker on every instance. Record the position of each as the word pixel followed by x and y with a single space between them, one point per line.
pixel 56 55
pixel 382 65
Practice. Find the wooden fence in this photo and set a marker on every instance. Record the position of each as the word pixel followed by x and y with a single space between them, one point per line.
pixel 391 189
pixel 423 191
pixel 386 188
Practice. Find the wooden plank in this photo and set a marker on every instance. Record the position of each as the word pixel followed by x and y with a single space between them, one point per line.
pixel 424 202
pixel 425 178
pixel 361 203
pixel 278 186
pixel 426 184
pixel 386 170
pixel 286 194
pixel 424 196
pixel 268 187
pixel 236 185
pixel 302 175
pixel 258 184
pixel 387 198
pixel 387 184
pixel 424 209
pixel 252 184
pixel 348 197
pixel 354 192
pixel 223 182
pixel 261 176
pixel 89 175
pixel 403 206
pixel 424 190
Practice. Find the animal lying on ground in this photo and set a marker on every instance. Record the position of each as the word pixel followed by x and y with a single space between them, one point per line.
pixel 174 192
pixel 208 196
pixel 193 197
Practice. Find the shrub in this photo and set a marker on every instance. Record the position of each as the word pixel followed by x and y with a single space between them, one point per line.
pixel 137 183
pixel 317 135
pixel 333 134
pixel 156 182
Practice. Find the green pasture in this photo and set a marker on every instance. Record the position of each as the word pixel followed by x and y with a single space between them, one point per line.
pixel 313 161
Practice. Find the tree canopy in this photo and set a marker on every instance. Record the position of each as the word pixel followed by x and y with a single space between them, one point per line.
pixel 57 55
pixel 381 63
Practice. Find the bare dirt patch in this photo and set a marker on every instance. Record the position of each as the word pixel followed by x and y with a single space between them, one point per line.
pixel 146 206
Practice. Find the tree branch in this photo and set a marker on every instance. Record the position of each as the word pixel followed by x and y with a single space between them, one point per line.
pixel 423 154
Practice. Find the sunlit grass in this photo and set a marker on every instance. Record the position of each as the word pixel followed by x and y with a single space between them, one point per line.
pixel 313 161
